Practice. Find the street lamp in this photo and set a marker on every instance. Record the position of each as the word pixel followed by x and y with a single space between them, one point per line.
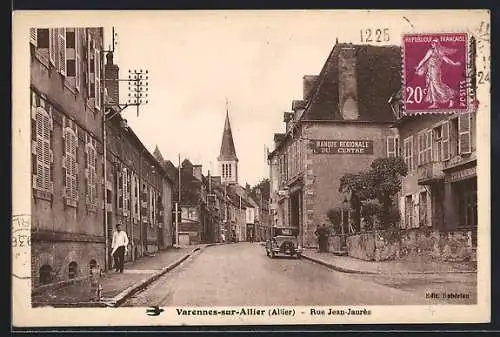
pixel 342 220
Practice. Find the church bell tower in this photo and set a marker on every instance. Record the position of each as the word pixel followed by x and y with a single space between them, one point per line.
pixel 228 161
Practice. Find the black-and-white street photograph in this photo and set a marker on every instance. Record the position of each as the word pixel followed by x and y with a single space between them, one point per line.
pixel 254 159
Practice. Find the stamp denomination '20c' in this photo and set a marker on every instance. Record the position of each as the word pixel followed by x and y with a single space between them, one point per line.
pixel 435 73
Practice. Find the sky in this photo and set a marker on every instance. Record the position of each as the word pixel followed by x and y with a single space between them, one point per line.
pixel 254 59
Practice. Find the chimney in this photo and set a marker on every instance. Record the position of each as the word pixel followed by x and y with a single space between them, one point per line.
pixel 348 84
pixel 111 81
pixel 308 82
pixel 197 173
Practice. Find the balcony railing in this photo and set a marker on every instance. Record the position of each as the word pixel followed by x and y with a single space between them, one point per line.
pixel 430 172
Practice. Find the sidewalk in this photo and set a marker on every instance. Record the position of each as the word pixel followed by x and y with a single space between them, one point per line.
pixel 348 264
pixel 116 286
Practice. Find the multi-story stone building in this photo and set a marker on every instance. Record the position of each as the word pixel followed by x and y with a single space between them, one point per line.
pixel 67 106
pixel 340 126
pixel 439 193
pixel 67 216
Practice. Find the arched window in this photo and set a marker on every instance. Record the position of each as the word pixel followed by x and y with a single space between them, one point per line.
pixel 230 173
pixel 72 270
pixel 45 274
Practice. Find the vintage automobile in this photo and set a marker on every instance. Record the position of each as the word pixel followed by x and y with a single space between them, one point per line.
pixel 283 241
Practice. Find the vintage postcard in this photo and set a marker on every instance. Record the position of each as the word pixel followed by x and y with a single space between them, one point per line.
pixel 250 167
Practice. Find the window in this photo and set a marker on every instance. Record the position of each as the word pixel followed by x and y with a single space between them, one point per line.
pixel 424 147
pixel 72 270
pixel 70 170
pixel 392 146
pixel 45 274
pixel 445 141
pixel 73 56
pixel 464 133
pixel 92 265
pixel 90 172
pixel 408 211
pixel 408 152
pixel 42 156
pixel 90 67
pixel 41 38
pixel 422 208
pixel 97 79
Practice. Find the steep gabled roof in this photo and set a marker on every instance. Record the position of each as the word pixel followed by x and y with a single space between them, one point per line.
pixel 227 149
pixel 378 71
pixel 158 155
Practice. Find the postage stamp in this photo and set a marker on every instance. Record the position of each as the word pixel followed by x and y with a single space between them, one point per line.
pixel 129 214
pixel 436 73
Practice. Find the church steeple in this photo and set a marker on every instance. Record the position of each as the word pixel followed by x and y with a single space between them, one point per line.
pixel 228 161
pixel 157 155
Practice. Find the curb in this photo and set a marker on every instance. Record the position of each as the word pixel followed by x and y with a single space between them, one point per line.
pixel 352 271
pixel 125 294
pixel 340 269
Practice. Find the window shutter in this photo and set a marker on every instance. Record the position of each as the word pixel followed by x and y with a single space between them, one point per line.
pixel 464 134
pixel 390 147
pixel 62 50
pixel 77 58
pixel 124 191
pixel 33 35
pixel 90 67
pixel 413 152
pixel 97 79
pixel 53 45
pixel 428 157
pixel 420 149
pixel 445 141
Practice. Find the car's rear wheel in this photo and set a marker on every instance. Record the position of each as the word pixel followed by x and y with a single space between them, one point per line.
pixel 298 256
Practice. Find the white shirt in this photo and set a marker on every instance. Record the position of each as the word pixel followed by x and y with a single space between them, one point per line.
pixel 119 239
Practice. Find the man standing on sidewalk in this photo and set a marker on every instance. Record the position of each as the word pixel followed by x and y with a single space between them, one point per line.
pixel 120 247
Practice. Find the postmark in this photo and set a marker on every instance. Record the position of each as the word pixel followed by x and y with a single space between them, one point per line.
pixel 21 245
pixel 436 73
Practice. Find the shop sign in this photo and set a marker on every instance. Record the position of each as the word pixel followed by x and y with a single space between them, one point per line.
pixel 334 146
pixel 461 174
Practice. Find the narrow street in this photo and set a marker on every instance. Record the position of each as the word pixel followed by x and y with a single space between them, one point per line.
pixel 242 274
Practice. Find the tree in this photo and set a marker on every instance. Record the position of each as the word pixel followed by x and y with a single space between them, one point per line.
pixel 380 183
pixel 335 218
pixel 264 189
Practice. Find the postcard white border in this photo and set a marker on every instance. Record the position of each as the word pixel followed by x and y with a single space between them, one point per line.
pixel 24 315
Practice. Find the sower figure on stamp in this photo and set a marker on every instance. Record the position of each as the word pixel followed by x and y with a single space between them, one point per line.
pixel 431 66
pixel 120 247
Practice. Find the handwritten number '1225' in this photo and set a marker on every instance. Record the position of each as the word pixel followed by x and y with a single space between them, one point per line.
pixel 375 35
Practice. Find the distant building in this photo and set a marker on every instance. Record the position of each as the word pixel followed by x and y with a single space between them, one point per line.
pixel 340 126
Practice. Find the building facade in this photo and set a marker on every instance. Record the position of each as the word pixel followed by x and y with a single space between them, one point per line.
pixel 439 193
pixel 67 216
pixel 340 126
pixel 68 101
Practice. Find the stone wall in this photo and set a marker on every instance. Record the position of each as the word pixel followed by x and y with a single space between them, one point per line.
pixel 58 255
pixel 407 244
